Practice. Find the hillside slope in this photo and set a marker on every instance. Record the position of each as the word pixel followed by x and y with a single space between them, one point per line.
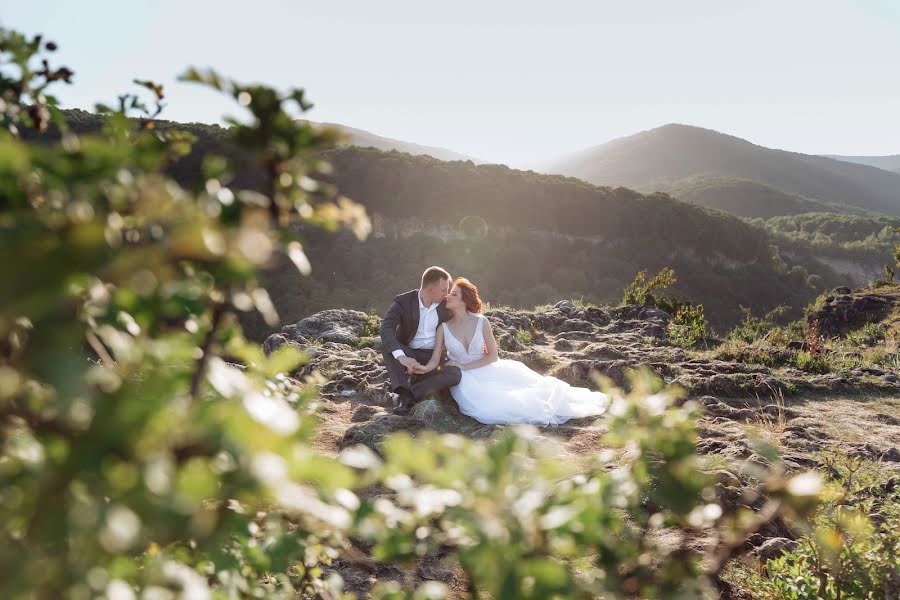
pixel 659 158
pixel 367 139
pixel 888 163
pixel 750 199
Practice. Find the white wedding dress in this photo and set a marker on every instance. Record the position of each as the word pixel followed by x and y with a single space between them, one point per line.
pixel 506 391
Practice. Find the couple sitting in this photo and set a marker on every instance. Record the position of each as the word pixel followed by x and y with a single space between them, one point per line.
pixel 422 324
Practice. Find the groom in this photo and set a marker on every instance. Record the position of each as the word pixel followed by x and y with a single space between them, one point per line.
pixel 407 340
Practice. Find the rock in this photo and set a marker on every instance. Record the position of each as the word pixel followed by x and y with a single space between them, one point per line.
pixel 274 342
pixel 563 345
pixel 364 413
pixel 848 311
pixel 891 455
pixel 335 325
pixel 578 325
pixel 886 419
pixel 774 547
pixel 565 306
pixel 798 462
pixel 597 316
pixel 372 432
pixel 712 406
pixel 443 416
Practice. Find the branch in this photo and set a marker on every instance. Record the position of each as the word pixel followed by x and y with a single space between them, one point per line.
pixel 200 371
pixel 100 349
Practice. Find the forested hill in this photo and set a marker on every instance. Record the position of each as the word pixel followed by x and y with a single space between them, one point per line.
pixel 659 159
pixel 751 199
pixel 397 185
pixel 524 237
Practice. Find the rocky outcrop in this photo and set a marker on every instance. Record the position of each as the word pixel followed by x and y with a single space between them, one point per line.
pixel 335 325
pixel 844 310
pixel 577 343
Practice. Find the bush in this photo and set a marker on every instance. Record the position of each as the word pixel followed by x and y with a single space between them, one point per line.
pixel 689 326
pixel 756 328
pixel 887 277
pixel 640 291
pixel 853 550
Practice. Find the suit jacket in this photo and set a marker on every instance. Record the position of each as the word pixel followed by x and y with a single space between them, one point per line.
pixel 399 325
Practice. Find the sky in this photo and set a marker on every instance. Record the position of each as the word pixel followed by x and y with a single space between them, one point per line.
pixel 516 82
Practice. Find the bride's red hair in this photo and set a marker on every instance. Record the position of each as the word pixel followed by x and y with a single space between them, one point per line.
pixel 469 294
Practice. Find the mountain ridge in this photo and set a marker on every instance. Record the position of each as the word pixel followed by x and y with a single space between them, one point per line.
pixel 888 162
pixel 658 159
pixel 367 139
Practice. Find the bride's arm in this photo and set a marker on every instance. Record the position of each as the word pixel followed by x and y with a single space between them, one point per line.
pixel 491 344
pixel 435 359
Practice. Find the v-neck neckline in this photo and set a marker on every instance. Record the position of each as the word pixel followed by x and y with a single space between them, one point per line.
pixel 474 333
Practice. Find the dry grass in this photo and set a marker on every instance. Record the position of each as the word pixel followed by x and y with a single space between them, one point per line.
pixel 770 416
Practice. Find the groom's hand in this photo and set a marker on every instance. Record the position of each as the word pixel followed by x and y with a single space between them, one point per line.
pixel 411 364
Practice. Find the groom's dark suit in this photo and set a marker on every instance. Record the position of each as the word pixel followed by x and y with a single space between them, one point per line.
pixel 398 328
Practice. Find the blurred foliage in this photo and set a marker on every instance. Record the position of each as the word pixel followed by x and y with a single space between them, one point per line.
pixel 147 449
pixel 853 552
pixel 130 448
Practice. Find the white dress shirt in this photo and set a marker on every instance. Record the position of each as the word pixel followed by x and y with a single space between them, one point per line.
pixel 428 323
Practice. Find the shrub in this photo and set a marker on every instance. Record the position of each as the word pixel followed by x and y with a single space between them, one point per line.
pixel 887 278
pixel 753 328
pixel 811 362
pixel 688 326
pixel 640 291
pixel 853 550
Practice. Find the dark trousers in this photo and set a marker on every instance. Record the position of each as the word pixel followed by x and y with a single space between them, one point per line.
pixel 435 381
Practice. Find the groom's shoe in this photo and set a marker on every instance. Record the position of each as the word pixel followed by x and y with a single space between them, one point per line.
pixel 406 402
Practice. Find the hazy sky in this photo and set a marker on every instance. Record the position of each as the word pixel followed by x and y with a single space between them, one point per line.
pixel 510 82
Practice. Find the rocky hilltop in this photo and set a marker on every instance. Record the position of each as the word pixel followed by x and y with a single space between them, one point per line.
pixel 746 396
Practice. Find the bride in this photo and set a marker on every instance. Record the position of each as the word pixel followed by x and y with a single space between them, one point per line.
pixel 494 390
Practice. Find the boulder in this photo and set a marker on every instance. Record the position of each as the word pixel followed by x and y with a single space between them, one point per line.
pixel 845 312
pixel 443 415
pixel 334 325
pixel 774 547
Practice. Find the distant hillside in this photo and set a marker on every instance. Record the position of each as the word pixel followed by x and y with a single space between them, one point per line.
pixel 750 199
pixel 523 237
pixel 662 157
pixel 367 139
pixel 542 235
pixel 888 163
pixel 855 246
